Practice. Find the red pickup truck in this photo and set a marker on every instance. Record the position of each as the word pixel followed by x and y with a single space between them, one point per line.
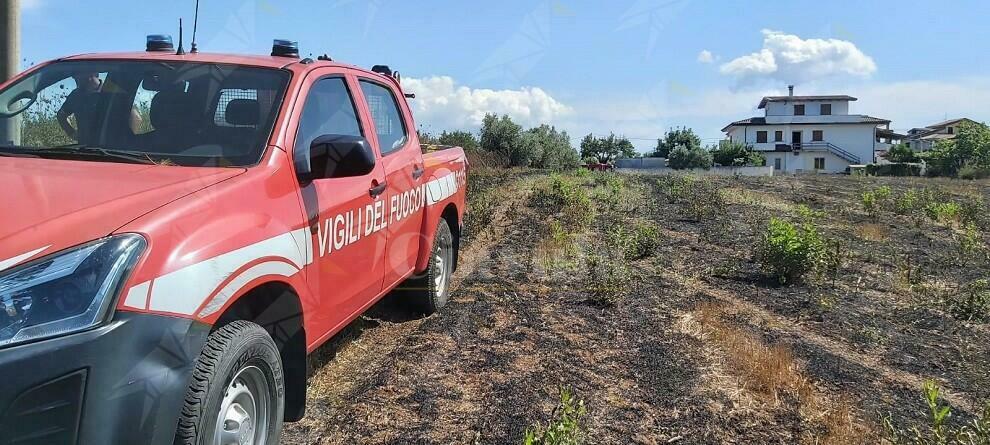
pixel 180 230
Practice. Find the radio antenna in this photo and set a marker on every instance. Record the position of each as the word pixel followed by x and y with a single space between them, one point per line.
pixel 193 49
pixel 180 51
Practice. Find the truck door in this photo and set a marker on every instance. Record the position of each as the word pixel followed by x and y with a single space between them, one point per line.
pixel 344 214
pixel 402 161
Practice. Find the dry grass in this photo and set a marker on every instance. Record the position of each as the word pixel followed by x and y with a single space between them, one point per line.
pixel 772 373
pixel 873 232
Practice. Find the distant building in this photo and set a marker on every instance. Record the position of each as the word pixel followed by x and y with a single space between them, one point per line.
pixel 924 139
pixel 812 133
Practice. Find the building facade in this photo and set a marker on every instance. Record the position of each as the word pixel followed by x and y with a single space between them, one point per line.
pixel 810 133
pixel 924 139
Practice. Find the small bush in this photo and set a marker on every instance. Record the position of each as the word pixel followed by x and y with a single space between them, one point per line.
pixel 790 251
pixel 567 197
pixel 646 240
pixel 637 243
pixel 944 212
pixel 608 279
pixel 915 201
pixel 876 200
pixel 565 425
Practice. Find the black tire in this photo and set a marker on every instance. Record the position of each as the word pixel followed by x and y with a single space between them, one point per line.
pixel 429 292
pixel 235 350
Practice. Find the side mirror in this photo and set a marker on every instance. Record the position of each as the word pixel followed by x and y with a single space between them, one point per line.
pixel 335 156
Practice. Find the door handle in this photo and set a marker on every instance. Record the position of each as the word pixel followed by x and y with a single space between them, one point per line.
pixel 418 172
pixel 377 190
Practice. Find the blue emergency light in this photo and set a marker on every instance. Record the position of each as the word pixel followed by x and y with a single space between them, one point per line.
pixel 159 42
pixel 285 48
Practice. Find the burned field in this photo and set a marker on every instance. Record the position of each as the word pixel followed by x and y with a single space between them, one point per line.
pixel 612 308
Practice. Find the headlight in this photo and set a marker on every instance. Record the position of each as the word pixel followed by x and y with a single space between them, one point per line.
pixel 66 292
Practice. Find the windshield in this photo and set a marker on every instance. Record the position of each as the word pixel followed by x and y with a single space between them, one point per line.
pixel 190 114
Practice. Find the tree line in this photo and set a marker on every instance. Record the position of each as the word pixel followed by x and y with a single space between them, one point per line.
pixel 505 143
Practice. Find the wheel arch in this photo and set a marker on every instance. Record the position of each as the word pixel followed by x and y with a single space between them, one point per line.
pixel 451 215
pixel 277 307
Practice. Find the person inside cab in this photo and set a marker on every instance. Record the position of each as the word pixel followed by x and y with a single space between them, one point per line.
pixel 81 104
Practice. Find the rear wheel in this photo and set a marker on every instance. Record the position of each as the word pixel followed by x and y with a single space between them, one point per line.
pixel 431 291
pixel 237 392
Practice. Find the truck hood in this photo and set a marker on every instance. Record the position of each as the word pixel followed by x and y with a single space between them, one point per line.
pixel 49 205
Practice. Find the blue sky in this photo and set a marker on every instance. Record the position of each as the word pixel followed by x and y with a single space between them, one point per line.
pixel 634 67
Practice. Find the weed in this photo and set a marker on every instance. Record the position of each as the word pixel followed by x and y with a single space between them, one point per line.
pixel 939 431
pixel 972 303
pixel 971 246
pixel 565 425
pixel 558 249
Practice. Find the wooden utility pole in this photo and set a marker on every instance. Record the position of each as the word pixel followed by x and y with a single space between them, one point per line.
pixel 10 59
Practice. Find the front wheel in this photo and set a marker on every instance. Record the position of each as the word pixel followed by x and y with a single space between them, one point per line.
pixel 237 392
pixel 430 291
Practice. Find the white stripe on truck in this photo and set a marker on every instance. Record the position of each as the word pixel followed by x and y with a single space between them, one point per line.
pixel 187 289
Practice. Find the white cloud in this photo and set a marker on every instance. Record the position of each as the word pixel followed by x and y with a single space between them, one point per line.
pixel 790 58
pixel 706 56
pixel 442 104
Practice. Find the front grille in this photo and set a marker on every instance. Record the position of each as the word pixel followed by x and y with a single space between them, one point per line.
pixel 46 414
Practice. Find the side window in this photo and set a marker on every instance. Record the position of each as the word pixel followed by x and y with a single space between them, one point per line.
pixel 385 112
pixel 329 109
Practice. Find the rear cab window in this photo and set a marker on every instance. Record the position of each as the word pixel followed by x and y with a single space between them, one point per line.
pixel 389 123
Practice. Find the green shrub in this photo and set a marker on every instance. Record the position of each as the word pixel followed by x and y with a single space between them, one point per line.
pixel 567 197
pixel 939 430
pixel 790 251
pixel 641 241
pixel 944 212
pixel 682 158
pixel 646 241
pixel 901 153
pixel 565 425
pixel 876 200
pixel 915 200
pixel 736 154
pixel 608 279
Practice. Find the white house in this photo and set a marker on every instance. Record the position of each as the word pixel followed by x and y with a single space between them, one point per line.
pixel 924 139
pixel 810 133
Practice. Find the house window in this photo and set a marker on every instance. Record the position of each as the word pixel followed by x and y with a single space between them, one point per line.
pixel 826 109
pixel 950 130
pixel 776 163
pixel 778 136
pixel 819 163
pixel 799 110
pixel 761 137
pixel 817 136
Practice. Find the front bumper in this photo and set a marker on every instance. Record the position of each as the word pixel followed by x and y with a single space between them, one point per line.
pixel 122 383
